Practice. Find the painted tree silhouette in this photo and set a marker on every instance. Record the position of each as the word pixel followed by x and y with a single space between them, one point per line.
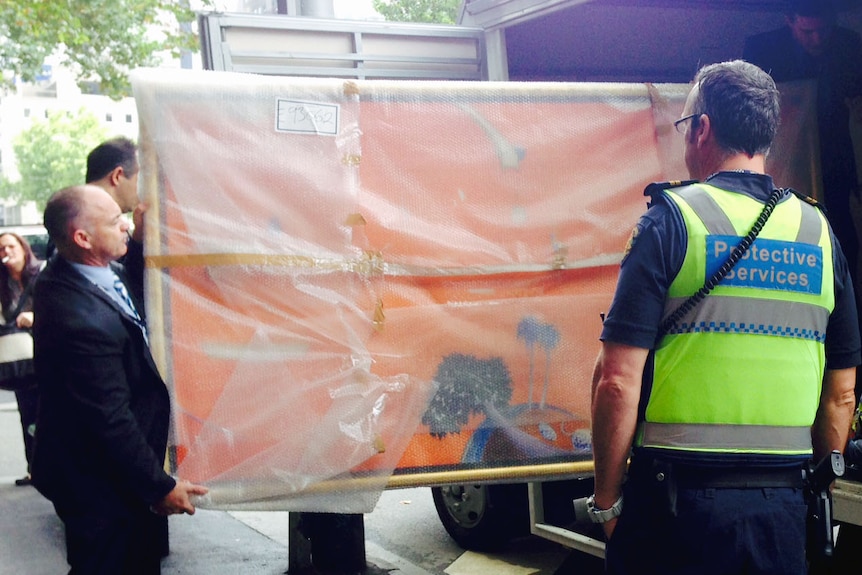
pixel 533 331
pixel 528 330
pixel 467 385
pixel 549 337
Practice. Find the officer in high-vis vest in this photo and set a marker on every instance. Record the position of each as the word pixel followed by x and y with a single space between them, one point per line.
pixel 720 399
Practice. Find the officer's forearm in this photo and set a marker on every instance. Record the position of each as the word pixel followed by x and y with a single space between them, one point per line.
pixel 614 416
pixel 835 414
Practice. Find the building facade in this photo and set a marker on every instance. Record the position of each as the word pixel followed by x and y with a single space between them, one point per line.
pixel 54 91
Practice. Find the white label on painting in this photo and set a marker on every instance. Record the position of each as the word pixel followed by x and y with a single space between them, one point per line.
pixel 307 117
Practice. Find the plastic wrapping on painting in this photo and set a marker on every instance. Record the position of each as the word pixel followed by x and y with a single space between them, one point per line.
pixel 353 279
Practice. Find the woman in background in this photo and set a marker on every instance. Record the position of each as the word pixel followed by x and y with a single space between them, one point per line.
pixel 20 269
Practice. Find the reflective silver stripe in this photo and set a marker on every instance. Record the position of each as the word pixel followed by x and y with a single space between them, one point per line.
pixel 718 223
pixel 810 226
pixel 712 216
pixel 753 315
pixel 716 437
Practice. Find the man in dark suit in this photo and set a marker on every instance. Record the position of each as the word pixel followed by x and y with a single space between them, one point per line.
pixel 813 47
pixel 103 423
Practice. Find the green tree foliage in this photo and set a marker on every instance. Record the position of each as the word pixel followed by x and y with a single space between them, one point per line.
pixel 52 154
pixel 101 40
pixel 433 11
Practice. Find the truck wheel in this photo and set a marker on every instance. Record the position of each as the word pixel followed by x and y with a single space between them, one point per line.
pixel 483 517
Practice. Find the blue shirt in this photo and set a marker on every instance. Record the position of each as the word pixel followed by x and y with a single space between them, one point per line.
pixel 103 278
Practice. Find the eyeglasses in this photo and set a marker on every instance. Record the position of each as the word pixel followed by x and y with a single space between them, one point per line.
pixel 680 124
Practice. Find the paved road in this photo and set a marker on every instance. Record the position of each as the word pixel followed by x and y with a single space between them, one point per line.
pixel 403 535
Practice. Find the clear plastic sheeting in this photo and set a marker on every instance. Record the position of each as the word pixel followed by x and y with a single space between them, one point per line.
pixel 350 280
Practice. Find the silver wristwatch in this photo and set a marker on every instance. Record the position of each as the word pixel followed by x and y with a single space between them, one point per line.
pixel 603 515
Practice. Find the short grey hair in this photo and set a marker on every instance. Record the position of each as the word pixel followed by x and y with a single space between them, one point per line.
pixel 743 105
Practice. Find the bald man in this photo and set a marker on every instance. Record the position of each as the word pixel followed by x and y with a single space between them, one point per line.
pixel 103 425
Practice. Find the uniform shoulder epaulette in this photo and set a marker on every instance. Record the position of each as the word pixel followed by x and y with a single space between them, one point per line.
pixel 658 187
pixel 805 198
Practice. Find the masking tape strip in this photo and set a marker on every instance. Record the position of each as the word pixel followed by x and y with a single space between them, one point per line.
pixel 371 264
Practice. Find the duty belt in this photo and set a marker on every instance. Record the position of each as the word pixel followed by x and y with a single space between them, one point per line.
pixel 688 476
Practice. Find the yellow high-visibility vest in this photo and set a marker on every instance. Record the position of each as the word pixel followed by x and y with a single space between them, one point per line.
pixel 742 371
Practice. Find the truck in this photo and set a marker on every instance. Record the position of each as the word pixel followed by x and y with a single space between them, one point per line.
pixel 471 209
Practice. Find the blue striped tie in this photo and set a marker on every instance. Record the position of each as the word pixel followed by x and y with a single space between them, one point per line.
pixel 120 288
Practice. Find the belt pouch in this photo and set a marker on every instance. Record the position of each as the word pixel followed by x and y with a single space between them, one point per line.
pixel 665 482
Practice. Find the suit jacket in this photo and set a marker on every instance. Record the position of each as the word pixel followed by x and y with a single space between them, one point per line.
pixel 838 72
pixel 103 423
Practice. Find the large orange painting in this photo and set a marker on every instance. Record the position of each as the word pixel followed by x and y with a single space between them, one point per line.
pixel 351 282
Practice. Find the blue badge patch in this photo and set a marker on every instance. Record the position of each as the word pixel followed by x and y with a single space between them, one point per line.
pixel 768 264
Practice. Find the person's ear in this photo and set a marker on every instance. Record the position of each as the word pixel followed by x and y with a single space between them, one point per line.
pixel 81 239
pixel 702 130
pixel 115 175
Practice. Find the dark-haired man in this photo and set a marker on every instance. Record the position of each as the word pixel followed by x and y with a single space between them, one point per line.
pixel 104 414
pixel 721 401
pixel 813 47
pixel 113 166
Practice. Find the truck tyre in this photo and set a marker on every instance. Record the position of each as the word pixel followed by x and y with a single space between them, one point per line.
pixel 483 517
